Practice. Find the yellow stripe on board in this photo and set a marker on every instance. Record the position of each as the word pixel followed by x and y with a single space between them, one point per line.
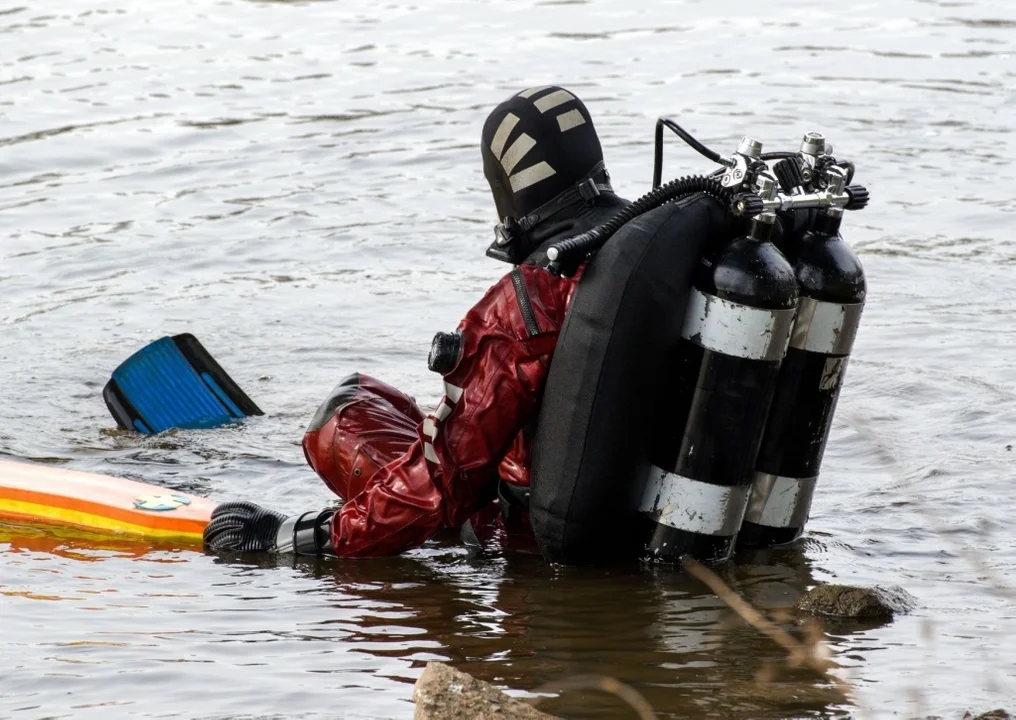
pixel 42 513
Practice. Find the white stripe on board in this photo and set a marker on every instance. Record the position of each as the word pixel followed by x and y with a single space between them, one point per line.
pixel 692 505
pixel 443 411
pixel 825 327
pixel 428 452
pixel 737 330
pixel 430 428
pixel 780 502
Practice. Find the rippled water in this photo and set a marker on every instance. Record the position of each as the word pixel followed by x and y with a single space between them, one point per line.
pixel 298 184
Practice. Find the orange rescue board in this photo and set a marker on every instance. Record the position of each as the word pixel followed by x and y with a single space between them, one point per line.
pixel 33 493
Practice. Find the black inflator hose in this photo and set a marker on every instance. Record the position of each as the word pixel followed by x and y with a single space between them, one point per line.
pixel 688 138
pixel 564 253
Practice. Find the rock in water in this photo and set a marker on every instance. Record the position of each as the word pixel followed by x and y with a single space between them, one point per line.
pixel 444 693
pixel 844 601
pixel 999 714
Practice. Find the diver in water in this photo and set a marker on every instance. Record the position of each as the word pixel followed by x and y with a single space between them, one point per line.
pixel 403 475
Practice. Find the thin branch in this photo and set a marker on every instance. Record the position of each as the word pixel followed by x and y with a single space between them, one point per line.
pixel 813 656
pixel 607 684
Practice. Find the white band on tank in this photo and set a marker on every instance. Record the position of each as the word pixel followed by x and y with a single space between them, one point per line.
pixel 692 505
pixel 825 327
pixel 780 502
pixel 737 330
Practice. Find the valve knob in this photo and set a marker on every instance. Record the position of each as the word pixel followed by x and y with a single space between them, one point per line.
pixel 747 204
pixel 445 349
pixel 858 195
pixel 788 172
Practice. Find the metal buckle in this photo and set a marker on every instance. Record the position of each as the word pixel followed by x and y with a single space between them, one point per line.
pixel 509 229
pixel 501 236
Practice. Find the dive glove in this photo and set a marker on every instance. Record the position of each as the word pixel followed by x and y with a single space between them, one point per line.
pixel 244 526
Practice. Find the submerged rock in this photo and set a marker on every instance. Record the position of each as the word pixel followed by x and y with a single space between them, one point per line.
pixel 444 693
pixel 991 715
pixel 857 603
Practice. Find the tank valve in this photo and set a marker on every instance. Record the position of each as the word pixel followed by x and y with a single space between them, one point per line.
pixel 858 197
pixel 788 172
pixel 741 165
pixel 747 205
pixel 814 144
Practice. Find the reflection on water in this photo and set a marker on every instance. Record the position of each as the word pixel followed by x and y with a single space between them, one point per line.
pixel 298 184
pixel 511 620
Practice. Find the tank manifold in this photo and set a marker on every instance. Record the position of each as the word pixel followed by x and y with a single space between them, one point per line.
pixel 810 178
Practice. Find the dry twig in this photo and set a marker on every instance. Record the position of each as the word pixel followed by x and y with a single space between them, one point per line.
pixel 813 655
pixel 607 684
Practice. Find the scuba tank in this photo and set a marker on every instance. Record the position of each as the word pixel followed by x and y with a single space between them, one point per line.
pixel 832 290
pixel 734 337
pixel 692 475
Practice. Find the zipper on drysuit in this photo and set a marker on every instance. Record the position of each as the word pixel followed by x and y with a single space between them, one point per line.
pixel 524 305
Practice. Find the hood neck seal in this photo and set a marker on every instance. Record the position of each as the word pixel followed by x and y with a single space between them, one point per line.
pixel 510 234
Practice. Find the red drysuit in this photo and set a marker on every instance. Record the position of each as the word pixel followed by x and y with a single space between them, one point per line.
pixel 405 476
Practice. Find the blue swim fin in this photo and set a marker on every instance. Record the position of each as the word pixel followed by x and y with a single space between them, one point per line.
pixel 174 383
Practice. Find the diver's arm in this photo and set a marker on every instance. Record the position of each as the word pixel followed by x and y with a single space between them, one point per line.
pixel 450 472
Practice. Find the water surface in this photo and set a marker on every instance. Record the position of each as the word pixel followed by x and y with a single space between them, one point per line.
pixel 299 185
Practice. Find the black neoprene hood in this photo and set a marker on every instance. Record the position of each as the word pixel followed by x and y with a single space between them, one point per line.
pixel 535 145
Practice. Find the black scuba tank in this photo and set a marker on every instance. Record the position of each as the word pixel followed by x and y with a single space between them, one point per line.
pixel 734 337
pixel 832 291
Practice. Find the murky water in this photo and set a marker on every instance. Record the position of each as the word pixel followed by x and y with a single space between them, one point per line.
pixel 299 185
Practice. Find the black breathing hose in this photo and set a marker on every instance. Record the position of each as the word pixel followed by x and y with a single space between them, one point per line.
pixel 564 254
pixel 779 155
pixel 684 135
pixel 698 146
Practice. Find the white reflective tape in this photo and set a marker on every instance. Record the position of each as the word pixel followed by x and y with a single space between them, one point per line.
pixel 428 452
pixel 430 428
pixel 737 330
pixel 452 392
pixel 551 101
pixel 572 118
pixel 532 91
pixel 780 502
pixel 502 133
pixel 531 175
pixel 516 151
pixel 443 411
pixel 693 505
pixel 825 327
